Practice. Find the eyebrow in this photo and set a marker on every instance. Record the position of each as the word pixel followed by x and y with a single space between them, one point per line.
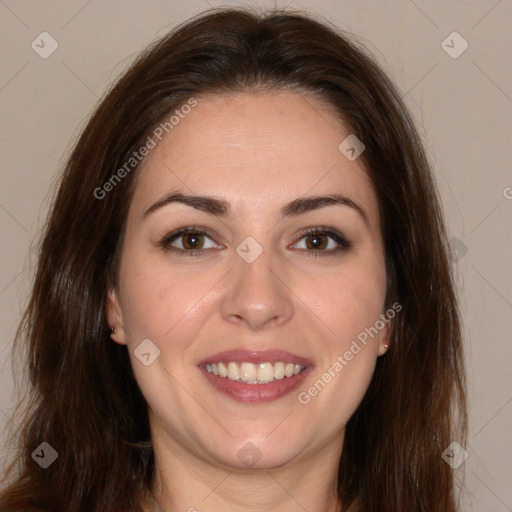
pixel 220 207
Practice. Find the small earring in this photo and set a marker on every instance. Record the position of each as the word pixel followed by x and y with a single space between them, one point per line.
pixel 386 346
pixel 112 330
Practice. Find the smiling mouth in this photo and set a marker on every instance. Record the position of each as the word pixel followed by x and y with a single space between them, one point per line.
pixel 254 373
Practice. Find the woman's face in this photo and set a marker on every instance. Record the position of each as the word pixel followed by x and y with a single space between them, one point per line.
pixel 256 292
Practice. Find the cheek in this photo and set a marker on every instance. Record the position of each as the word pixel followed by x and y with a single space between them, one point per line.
pixel 348 301
pixel 157 298
pixel 167 307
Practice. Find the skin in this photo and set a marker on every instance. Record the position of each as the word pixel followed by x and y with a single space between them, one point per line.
pixel 257 151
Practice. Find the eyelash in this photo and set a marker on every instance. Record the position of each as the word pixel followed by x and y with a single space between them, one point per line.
pixel 343 243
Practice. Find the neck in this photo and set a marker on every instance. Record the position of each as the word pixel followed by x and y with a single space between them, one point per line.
pixel 155 501
pixel 186 482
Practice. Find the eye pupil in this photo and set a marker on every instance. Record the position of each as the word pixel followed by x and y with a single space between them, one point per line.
pixel 316 242
pixel 192 240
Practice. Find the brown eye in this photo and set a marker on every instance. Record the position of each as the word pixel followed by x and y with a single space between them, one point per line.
pixel 189 241
pixel 193 241
pixel 322 241
pixel 315 241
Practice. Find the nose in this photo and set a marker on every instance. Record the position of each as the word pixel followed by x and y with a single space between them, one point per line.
pixel 257 295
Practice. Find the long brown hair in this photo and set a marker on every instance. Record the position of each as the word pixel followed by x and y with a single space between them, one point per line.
pixel 83 399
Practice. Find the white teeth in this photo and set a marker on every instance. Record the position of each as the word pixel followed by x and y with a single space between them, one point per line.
pixel 265 372
pixel 247 372
pixel 251 373
pixel 279 371
pixel 233 371
pixel 223 371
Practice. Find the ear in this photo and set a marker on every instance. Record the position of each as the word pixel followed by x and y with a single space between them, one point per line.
pixel 384 338
pixel 115 317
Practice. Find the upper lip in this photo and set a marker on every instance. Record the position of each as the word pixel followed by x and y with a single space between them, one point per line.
pixel 256 356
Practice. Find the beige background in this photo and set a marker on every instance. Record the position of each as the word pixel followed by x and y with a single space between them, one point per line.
pixel 463 108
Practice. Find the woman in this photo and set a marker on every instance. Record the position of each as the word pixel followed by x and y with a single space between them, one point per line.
pixel 244 298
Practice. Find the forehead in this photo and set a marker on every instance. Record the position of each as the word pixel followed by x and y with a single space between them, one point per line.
pixel 255 150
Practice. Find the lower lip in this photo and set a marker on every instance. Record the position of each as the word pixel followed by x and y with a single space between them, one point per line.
pixel 269 392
